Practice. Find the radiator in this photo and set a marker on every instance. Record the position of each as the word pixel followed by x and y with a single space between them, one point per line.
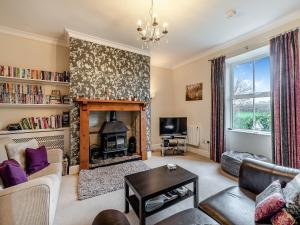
pixel 194 137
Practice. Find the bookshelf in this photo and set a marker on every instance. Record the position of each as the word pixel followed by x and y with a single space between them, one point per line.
pixel 13 105
pixel 4 132
pixel 33 81
pixel 28 93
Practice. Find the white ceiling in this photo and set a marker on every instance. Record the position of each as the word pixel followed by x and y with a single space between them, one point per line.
pixel 195 25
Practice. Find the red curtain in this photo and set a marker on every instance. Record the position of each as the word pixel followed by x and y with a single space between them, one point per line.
pixel 286 99
pixel 217 143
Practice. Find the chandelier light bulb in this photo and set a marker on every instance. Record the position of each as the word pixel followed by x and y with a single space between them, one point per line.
pixel 139 23
pixel 139 28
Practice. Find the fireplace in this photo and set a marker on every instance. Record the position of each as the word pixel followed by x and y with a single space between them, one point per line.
pixel 113 136
pixel 89 105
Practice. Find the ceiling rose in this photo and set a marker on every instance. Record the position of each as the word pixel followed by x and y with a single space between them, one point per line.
pixel 150 32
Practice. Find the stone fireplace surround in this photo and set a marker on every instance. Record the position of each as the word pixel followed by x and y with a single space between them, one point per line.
pixel 87 105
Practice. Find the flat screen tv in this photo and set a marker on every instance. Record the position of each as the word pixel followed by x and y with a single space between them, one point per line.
pixel 170 126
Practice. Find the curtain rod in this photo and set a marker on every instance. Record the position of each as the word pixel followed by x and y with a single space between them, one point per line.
pixel 254 46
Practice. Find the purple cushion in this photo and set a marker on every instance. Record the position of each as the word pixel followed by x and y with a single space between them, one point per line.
pixel 36 159
pixel 269 202
pixel 12 173
pixel 283 218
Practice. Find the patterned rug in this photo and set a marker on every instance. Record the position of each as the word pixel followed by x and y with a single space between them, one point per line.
pixel 106 179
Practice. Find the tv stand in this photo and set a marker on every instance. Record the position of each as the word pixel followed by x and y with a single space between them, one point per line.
pixel 175 144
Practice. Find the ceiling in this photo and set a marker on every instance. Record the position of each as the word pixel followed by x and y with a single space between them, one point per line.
pixel 194 25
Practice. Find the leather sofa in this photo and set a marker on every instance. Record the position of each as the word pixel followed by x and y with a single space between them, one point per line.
pixel 232 206
pixel 236 205
pixel 33 202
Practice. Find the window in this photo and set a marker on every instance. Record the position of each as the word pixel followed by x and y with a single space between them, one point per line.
pixel 250 94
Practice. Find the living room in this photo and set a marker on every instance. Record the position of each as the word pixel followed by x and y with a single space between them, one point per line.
pixel 149 112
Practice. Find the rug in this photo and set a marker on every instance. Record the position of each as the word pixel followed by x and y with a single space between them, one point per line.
pixel 106 179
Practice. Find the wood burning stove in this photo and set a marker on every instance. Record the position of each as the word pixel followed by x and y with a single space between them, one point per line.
pixel 113 135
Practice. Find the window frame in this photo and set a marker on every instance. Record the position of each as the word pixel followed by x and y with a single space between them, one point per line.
pixel 253 95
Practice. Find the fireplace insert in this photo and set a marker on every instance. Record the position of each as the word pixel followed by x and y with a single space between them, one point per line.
pixel 113 136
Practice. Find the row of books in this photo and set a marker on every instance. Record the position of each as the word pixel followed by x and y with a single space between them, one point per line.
pixel 22 94
pixel 32 123
pixel 14 93
pixel 16 72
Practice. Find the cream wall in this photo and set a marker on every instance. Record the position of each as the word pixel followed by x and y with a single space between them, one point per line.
pixel 22 52
pixel 198 112
pixel 27 53
pixel 162 102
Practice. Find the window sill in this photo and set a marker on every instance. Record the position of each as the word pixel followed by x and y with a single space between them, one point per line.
pixel 255 132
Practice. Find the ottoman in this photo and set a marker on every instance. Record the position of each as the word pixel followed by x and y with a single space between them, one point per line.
pixel 189 217
pixel 231 161
pixel 110 217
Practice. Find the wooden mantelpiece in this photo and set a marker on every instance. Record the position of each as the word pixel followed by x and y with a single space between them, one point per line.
pixel 87 105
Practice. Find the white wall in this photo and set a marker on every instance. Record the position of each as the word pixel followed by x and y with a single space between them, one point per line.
pixel 198 112
pixel 163 101
pixel 26 53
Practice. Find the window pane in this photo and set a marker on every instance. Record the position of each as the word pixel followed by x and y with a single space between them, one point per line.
pixel 262 114
pixel 242 113
pixel 262 75
pixel 243 78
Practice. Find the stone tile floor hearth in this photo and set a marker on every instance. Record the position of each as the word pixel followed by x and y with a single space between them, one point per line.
pixel 74 212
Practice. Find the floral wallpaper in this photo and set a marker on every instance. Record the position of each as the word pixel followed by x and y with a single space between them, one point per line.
pixel 98 71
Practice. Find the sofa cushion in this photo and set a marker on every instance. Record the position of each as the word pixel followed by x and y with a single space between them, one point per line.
pixel 232 206
pixel 269 202
pixel 188 216
pixel 36 159
pixel 17 151
pixel 11 173
pixel 292 197
pixel 3 142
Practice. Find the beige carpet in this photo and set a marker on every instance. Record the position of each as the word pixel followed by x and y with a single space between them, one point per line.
pixel 74 212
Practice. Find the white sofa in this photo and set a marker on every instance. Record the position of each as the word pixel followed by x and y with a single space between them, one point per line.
pixel 33 202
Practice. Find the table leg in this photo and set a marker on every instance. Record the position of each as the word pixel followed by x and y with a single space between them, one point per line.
pixel 196 193
pixel 142 212
pixel 126 196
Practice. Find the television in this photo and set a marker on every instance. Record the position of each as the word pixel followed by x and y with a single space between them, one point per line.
pixel 171 126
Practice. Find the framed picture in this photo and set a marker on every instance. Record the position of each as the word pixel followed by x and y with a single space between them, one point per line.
pixel 194 92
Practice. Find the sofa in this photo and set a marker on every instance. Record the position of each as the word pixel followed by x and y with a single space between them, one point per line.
pixel 33 202
pixel 232 206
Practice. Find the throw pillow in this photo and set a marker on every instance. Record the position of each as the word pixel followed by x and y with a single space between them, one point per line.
pixel 292 197
pixel 283 218
pixel 16 151
pixel 36 159
pixel 11 173
pixel 269 202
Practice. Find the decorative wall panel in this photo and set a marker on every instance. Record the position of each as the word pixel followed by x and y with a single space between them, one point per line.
pixel 99 71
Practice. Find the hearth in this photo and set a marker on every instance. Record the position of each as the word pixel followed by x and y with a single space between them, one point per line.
pixel 113 136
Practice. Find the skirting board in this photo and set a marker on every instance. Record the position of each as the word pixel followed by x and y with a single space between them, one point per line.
pixel 202 152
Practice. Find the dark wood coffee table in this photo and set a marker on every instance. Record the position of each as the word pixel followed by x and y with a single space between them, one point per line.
pixel 151 183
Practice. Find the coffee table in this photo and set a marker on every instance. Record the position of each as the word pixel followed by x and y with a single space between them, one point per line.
pixel 151 183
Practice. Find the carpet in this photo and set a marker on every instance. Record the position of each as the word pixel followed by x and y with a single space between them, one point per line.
pixel 102 180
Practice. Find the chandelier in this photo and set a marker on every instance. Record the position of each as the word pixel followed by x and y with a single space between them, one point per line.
pixel 150 32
